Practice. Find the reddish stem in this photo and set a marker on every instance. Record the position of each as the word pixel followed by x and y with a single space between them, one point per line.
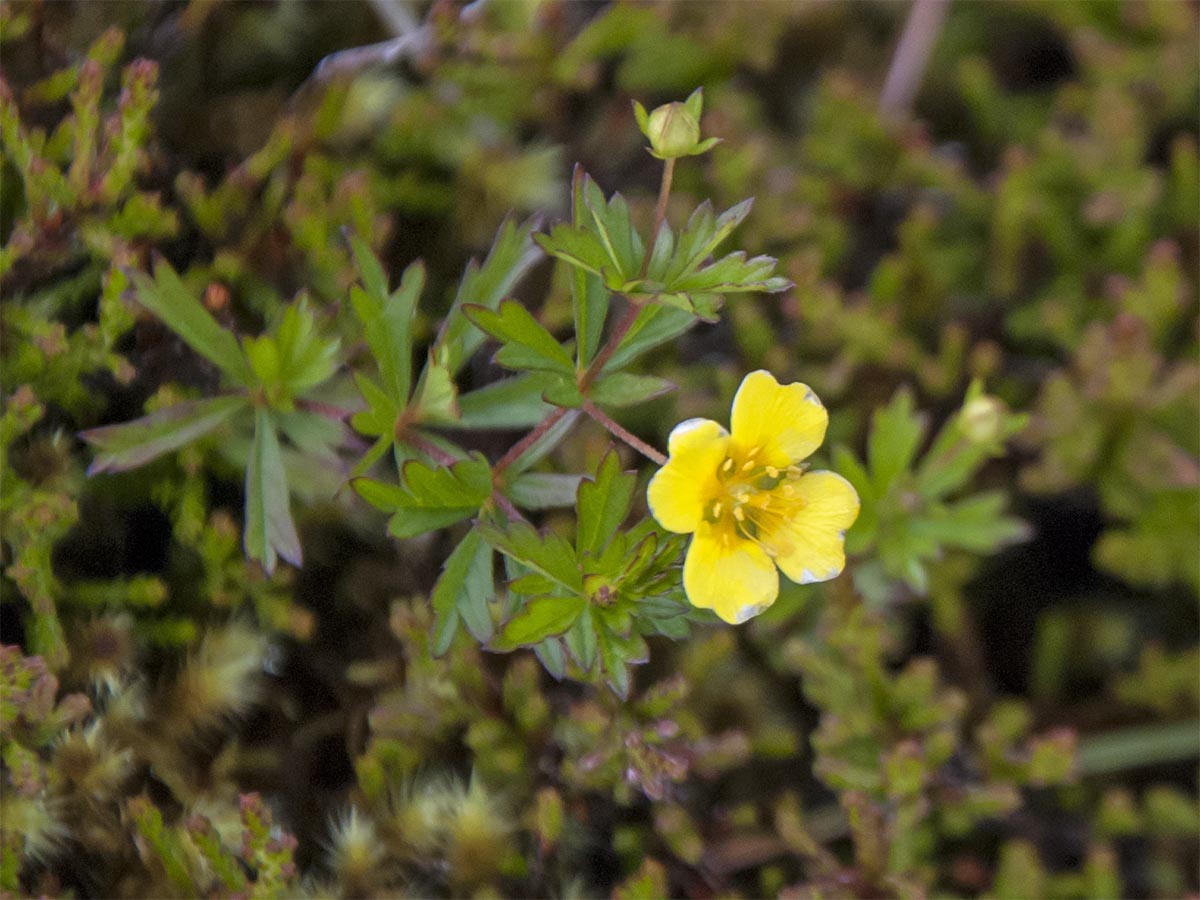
pixel 529 440
pixel 627 436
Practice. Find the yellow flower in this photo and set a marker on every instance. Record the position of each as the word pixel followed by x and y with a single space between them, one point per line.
pixel 750 503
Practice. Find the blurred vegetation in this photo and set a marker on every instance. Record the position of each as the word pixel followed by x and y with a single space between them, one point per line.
pixel 995 297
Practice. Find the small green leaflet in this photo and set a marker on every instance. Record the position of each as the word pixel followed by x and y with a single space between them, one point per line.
pixel 269 526
pixel 509 403
pixel 387 319
pixel 166 296
pixel 603 504
pixel 462 593
pixel 627 389
pixel 896 433
pixel 511 256
pixel 135 443
pixel 430 497
pixel 525 344
pixel 540 618
pixel 601 240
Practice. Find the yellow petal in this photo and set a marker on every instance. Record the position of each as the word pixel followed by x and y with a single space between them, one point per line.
pixel 678 493
pixel 733 577
pixel 786 420
pixel 811 546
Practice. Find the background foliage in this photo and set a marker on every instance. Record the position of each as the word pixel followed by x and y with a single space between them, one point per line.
pixel 996 299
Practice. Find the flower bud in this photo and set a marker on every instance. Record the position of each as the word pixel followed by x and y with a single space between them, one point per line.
pixel 982 419
pixel 673 130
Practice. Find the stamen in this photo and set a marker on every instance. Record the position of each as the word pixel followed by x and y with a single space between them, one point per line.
pixel 739 514
pixel 716 510
pixel 748 465
pixel 727 466
pixel 772 472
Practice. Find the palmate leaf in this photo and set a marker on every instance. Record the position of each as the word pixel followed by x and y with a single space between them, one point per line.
pixel 538 619
pixel 430 497
pixel 270 530
pixel 306 359
pixel 386 318
pixel 525 344
pixel 509 403
pixel 603 504
pixel 511 256
pixel 166 296
pixel 548 555
pixel 601 239
pixel 136 443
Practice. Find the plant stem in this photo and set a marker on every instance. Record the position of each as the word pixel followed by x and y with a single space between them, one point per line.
pixel 628 437
pixel 325 410
pixel 660 209
pixel 529 440
pixel 426 446
pixel 921 30
pixel 610 347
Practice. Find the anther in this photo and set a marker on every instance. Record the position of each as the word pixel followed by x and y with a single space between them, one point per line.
pixel 748 465
pixel 716 510
pixel 739 514
pixel 772 472
pixel 727 466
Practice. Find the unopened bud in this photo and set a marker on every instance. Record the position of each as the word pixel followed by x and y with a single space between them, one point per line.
pixel 674 128
pixel 982 419
pixel 673 131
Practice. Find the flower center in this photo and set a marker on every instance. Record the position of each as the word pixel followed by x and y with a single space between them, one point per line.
pixel 755 499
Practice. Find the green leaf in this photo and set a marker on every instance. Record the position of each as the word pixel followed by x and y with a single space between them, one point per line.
pixel 372 456
pixel 510 403
pixel 563 391
pixel 699 238
pixel 269 526
pixel 895 436
pixel 430 497
pixel 601 240
pixel 579 248
pixel 135 443
pixel 317 437
pixel 544 490
pixel 976 524
pixel 379 420
pixel 624 389
pixel 166 297
pixel 526 344
pixel 547 442
pixel 549 555
pixel 653 326
pixel 369 268
pixel 604 503
pixel 436 396
pixel 305 358
pixel 462 593
pixel 511 256
pixel 589 297
pixel 387 326
pixel 540 618
pixel 581 641
pixel 551 654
